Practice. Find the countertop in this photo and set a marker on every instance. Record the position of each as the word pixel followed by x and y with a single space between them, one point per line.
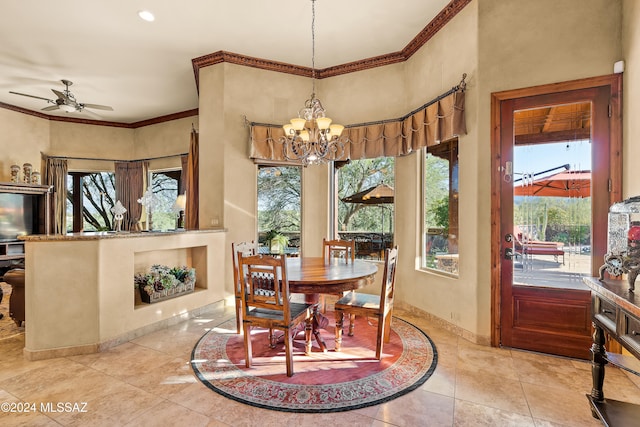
pixel 111 235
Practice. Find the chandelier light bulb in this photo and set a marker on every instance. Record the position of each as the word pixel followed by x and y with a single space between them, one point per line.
pixel 298 123
pixel 336 130
pixel 323 123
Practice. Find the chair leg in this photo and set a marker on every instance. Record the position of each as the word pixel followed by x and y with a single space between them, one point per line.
pixel 272 339
pixel 382 321
pixel 238 315
pixel 387 326
pixel 247 344
pixel 308 329
pixel 339 323
pixel 352 323
pixel 288 345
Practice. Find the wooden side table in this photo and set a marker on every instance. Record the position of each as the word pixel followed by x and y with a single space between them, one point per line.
pixel 615 312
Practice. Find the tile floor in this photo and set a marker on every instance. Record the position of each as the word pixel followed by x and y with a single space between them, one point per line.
pixel 148 382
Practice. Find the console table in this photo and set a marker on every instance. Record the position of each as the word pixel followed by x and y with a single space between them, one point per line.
pixel 616 312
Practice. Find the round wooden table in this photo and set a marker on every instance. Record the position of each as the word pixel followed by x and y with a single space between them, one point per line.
pixel 312 276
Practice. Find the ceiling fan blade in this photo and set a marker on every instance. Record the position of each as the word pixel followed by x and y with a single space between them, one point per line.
pixel 97 107
pixel 60 95
pixel 50 108
pixel 32 96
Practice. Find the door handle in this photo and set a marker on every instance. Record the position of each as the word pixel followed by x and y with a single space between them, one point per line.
pixel 510 254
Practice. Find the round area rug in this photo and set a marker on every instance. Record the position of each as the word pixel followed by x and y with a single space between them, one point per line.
pixel 322 382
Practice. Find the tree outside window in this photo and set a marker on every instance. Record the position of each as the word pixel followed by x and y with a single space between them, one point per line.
pixel 279 207
pixel 440 174
pixel 164 185
pixel 96 198
pixel 370 225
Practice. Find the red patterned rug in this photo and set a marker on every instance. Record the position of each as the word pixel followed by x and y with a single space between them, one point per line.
pixel 322 382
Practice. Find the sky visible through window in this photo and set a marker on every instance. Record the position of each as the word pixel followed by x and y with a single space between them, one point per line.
pixel 537 158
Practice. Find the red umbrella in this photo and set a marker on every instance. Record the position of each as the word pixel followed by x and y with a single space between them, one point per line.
pixel 561 184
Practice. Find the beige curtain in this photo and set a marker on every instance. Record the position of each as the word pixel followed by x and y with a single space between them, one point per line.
pixel 192 183
pixel 56 176
pixel 184 163
pixel 130 186
pixel 429 125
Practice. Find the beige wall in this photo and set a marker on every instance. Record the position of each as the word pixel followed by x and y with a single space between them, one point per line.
pixel 436 68
pixel 22 139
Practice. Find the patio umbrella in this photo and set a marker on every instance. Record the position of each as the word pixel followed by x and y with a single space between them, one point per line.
pixel 378 195
pixel 562 184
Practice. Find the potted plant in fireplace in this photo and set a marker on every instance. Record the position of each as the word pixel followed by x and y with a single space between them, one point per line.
pixel 163 282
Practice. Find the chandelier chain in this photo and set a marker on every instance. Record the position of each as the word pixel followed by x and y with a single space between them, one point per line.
pixel 313 46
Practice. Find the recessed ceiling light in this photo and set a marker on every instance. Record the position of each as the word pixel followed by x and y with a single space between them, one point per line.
pixel 146 15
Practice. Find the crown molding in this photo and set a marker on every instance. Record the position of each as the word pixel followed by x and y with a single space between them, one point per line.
pixel 435 25
pixel 134 125
pixel 167 118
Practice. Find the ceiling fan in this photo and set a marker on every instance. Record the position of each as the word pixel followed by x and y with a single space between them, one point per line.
pixel 66 101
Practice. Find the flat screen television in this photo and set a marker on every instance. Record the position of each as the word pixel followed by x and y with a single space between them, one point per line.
pixel 18 215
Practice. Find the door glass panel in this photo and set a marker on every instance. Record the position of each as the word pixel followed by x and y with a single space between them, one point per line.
pixel 552 196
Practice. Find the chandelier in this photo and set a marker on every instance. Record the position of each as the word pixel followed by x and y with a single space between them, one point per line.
pixel 311 138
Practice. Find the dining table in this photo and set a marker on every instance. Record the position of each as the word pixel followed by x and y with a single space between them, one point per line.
pixel 313 276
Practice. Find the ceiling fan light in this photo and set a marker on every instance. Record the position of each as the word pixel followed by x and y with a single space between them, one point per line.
pixel 67 108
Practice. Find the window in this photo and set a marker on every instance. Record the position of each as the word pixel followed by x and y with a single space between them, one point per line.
pixel 164 185
pixel 90 197
pixel 440 178
pixel 279 203
pixel 362 216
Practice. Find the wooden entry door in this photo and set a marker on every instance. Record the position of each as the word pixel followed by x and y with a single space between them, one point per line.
pixel 531 313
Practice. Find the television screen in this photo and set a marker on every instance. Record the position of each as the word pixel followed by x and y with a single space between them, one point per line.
pixel 17 215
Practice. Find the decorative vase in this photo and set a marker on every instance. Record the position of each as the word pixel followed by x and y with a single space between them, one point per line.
pixel 26 172
pixel 15 173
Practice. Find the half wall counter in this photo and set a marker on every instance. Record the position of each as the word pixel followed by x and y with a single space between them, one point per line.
pixel 79 288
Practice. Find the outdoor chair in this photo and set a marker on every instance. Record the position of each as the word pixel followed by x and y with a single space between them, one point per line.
pixel 359 304
pixel 273 310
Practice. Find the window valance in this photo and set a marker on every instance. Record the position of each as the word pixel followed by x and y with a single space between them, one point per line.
pixel 436 121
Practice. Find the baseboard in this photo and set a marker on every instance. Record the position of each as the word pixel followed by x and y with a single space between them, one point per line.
pixel 443 324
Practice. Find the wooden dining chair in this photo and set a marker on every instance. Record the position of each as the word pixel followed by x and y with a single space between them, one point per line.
pixel 359 304
pixel 339 248
pixel 273 310
pixel 336 248
pixel 245 248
